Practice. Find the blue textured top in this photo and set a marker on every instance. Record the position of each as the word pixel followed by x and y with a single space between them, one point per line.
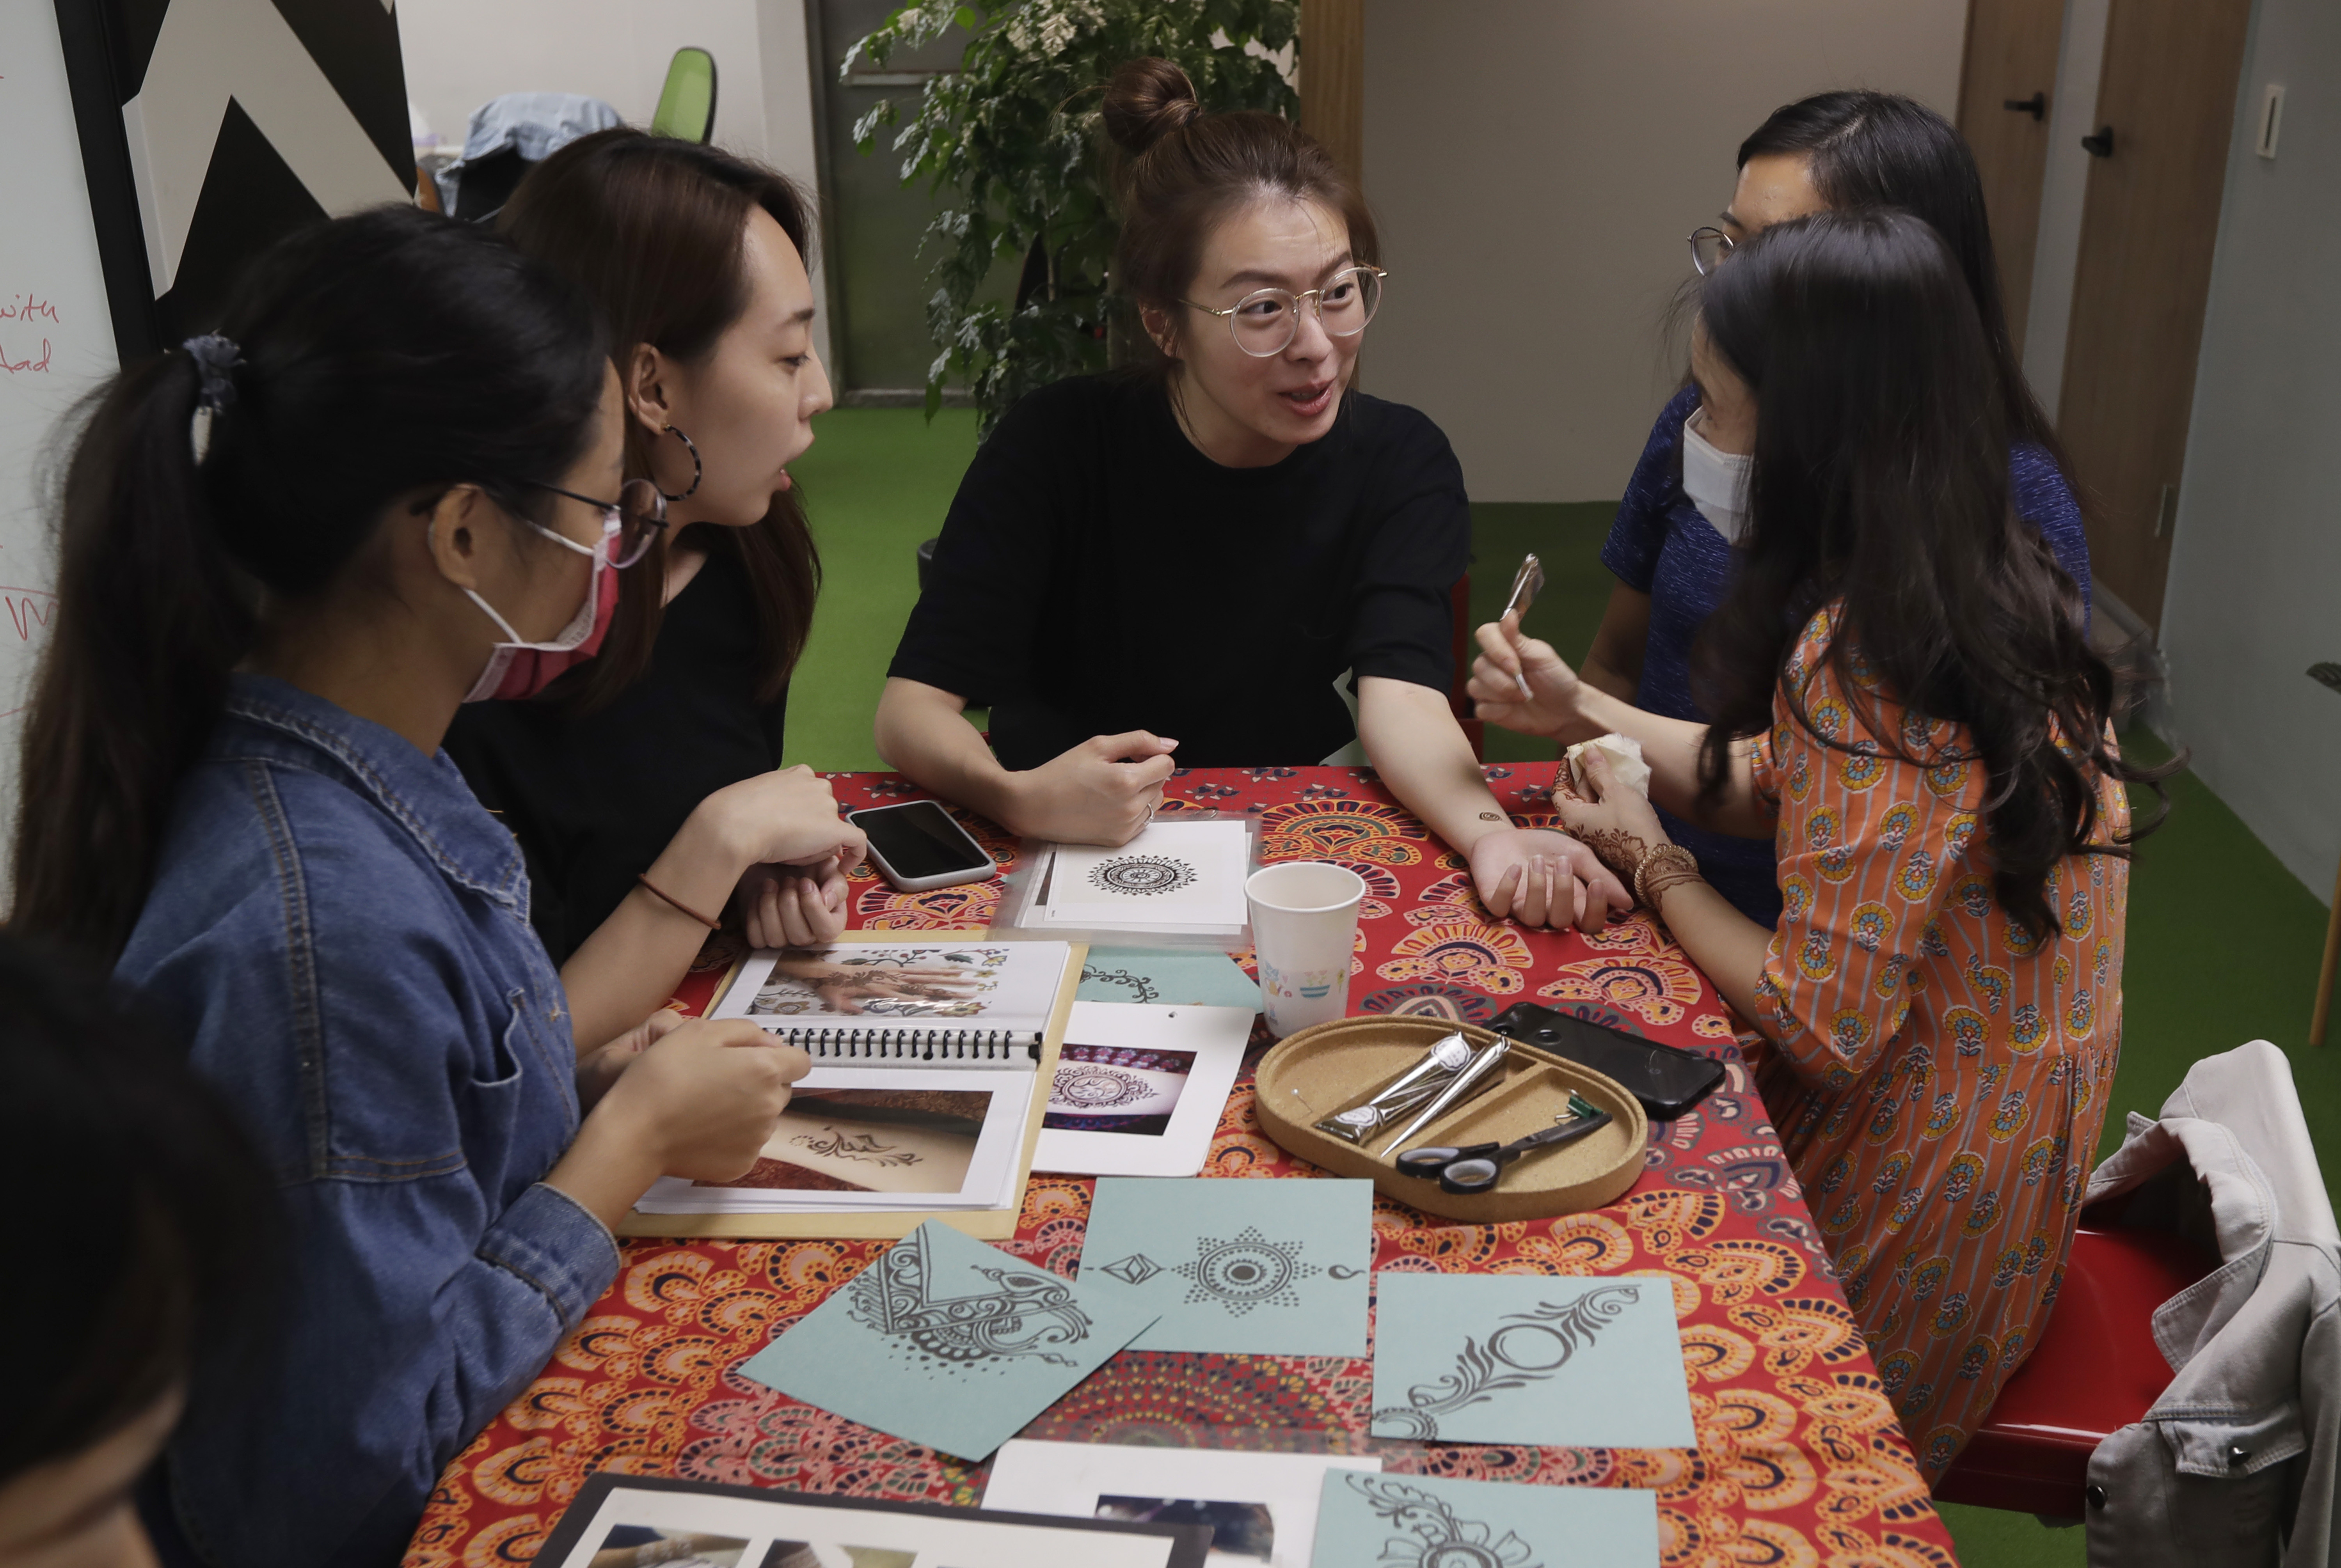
pixel 1661 546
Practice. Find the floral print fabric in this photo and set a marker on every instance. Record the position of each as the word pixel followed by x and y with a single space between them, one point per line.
pixel 1940 1075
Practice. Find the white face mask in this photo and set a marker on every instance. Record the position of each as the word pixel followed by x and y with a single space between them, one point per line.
pixel 1716 482
pixel 508 674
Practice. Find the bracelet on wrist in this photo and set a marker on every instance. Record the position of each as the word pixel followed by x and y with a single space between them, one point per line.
pixel 1660 869
pixel 667 897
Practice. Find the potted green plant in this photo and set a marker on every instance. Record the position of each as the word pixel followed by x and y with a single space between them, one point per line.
pixel 1011 138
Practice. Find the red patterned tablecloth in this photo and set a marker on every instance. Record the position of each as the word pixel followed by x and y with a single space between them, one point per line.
pixel 1801 1460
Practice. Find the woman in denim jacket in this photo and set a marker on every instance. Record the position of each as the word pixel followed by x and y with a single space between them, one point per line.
pixel 289 552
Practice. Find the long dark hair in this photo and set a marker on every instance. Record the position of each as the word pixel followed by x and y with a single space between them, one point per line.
pixel 652 228
pixel 175 1252
pixel 1880 482
pixel 1866 149
pixel 382 355
pixel 1185 170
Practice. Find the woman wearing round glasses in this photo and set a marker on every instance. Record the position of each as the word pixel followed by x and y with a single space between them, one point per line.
pixel 1232 559
pixel 1672 546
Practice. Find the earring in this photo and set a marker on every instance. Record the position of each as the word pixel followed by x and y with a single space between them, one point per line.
pixel 696 471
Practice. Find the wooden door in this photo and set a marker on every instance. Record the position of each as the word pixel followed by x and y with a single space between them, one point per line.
pixel 2147 226
pixel 2004 105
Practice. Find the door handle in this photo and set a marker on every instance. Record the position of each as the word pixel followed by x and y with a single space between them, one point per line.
pixel 2100 145
pixel 2035 106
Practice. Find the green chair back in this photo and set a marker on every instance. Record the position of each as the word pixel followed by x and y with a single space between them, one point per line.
pixel 686 105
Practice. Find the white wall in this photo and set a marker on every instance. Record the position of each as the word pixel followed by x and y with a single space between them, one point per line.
pixel 461 52
pixel 2255 594
pixel 1535 166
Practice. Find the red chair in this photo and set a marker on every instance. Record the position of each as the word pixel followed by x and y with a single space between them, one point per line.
pixel 1458 604
pixel 2095 1369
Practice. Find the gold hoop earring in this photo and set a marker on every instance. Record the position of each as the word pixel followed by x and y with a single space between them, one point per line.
pixel 697 473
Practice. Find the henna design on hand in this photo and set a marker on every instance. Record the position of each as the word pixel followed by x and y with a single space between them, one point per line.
pixel 1621 851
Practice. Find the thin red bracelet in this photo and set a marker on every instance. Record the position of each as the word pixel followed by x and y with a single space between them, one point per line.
pixel 711 925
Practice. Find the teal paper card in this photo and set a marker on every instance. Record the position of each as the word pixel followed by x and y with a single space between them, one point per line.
pixel 1246 1267
pixel 1429 1522
pixel 1170 980
pixel 1579 1363
pixel 947 1342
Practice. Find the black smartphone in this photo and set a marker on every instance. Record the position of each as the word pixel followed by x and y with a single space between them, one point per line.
pixel 917 846
pixel 1666 1079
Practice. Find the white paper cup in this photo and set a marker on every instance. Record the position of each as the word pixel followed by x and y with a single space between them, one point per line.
pixel 1304 928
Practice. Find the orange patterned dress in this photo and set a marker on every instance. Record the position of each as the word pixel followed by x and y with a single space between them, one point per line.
pixel 1939 1077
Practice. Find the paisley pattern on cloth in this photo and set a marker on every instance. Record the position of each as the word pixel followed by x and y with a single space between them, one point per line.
pixel 1942 1075
pixel 1801 1460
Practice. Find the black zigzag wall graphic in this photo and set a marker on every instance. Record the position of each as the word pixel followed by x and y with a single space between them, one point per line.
pixel 211 127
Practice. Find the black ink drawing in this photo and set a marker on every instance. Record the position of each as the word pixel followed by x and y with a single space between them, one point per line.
pixel 863 1146
pixel 1528 1347
pixel 1142 876
pixel 1429 1535
pixel 1140 987
pixel 1029 1313
pixel 1240 1273
pixel 1086 1087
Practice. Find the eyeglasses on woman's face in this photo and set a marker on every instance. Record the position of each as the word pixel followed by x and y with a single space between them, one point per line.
pixel 1265 321
pixel 1709 246
pixel 629 523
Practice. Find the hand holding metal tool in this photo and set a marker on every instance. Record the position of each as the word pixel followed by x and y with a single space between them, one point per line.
pixel 1527 583
pixel 1446 1057
pixel 1480 1075
pixel 1475 1167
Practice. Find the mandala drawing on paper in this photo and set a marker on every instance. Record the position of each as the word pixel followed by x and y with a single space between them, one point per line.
pixel 1087 1087
pixel 1142 876
pixel 1028 1313
pixel 1526 1348
pixel 1429 1535
pixel 863 1146
pixel 1238 1274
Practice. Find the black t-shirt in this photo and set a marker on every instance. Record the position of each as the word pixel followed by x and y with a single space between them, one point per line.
pixel 1097 574
pixel 594 797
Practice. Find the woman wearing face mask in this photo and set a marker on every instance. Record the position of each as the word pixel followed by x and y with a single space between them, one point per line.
pixel 1671 547
pixel 1206 559
pixel 289 552
pixel 668 743
pixel 1906 702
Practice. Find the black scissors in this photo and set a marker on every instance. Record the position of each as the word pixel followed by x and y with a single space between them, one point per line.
pixel 1474 1168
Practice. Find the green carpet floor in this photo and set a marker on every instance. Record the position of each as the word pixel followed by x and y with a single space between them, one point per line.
pixel 2224 941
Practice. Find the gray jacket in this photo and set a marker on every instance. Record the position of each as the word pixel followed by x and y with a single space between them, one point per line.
pixel 2235 1464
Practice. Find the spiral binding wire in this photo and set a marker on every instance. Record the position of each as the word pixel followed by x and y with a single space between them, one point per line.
pixel 833 1042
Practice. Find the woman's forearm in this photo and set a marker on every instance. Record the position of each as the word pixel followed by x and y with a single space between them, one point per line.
pixel 632 964
pixel 1671 747
pixel 1728 947
pixel 1414 743
pixel 922 733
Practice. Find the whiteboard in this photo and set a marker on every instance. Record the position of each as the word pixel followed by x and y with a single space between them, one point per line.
pixel 56 343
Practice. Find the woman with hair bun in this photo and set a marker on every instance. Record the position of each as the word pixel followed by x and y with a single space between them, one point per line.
pixel 1230 557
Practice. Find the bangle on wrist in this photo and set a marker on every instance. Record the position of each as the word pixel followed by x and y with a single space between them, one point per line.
pixel 668 898
pixel 1660 869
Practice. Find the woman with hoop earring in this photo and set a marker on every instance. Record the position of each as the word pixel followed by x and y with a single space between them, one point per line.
pixel 665 749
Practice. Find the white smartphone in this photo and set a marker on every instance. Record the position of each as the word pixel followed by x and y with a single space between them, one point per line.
pixel 916 846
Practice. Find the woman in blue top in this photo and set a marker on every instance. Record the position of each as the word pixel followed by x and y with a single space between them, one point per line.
pixel 289 552
pixel 1670 548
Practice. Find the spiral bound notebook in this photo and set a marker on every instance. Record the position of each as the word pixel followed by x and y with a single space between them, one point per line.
pixel 932 1061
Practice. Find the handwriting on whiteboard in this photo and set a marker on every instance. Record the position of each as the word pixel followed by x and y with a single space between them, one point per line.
pixel 24 307
pixel 28 308
pixel 29 610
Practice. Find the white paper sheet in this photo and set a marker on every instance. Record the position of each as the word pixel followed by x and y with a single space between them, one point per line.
pixel 1113 1074
pixel 1071 1479
pixel 1174 876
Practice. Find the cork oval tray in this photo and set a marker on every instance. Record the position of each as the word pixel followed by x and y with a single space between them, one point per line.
pixel 1333 1066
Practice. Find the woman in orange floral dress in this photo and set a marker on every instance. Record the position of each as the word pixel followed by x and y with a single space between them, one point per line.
pixel 1903 697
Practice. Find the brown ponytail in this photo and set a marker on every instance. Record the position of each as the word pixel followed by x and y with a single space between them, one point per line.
pixel 1186 170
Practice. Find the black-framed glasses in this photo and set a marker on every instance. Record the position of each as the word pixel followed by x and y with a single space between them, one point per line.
pixel 639 512
pixel 1265 321
pixel 1709 246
